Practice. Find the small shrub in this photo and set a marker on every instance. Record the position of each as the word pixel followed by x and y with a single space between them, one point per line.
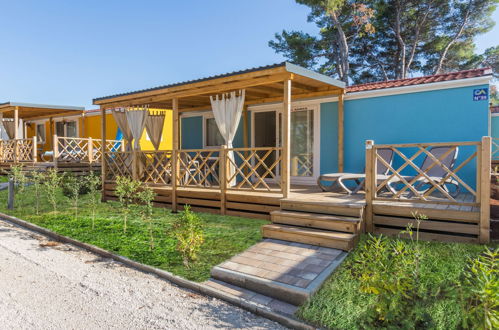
pixel 188 231
pixel 52 184
pixel 68 189
pixel 92 182
pixel 36 178
pixel 481 286
pixel 74 185
pixel 20 180
pixel 126 190
pixel 390 269
pixel 146 197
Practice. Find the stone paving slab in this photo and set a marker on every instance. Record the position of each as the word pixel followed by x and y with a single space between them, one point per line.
pixel 284 270
pixel 253 297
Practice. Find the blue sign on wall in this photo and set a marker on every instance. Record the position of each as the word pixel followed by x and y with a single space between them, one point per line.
pixel 481 94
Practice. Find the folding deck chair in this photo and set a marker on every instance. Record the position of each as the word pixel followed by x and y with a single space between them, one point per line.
pixel 339 178
pixel 436 173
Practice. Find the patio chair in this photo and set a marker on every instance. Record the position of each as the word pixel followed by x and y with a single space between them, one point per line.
pixel 339 178
pixel 436 173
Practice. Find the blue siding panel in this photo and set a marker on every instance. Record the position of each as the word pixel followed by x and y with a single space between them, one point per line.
pixel 435 116
pixel 329 137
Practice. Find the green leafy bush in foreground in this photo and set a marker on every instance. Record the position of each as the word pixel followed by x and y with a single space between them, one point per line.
pixel 403 284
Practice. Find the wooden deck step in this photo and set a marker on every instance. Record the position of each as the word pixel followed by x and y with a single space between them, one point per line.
pixel 345 209
pixel 317 221
pixel 325 238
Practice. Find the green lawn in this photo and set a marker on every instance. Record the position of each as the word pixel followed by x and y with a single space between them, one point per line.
pixel 224 236
pixel 340 303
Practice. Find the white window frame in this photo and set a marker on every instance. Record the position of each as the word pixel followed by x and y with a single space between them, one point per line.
pixel 207 116
pixel 35 123
pixel 66 119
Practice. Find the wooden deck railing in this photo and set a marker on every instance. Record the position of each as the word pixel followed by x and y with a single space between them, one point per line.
pixel 72 149
pixel 253 169
pixel 223 169
pixel 463 183
pixel 18 150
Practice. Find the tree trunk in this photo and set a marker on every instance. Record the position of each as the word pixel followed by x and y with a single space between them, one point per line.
pixel 398 34
pixel 456 36
pixel 344 64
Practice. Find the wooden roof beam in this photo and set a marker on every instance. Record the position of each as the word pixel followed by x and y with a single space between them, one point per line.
pixel 215 89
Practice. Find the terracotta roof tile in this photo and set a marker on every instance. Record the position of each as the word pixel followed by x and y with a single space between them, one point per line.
pixel 420 80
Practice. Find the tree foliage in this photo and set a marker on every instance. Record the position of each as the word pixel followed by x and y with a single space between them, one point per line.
pixel 362 41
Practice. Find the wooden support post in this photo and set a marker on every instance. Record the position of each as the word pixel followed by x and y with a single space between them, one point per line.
pixel 103 157
pixel 16 123
pixel 16 134
pixel 341 132
pixel 223 179
pixel 35 149
pixel 370 185
pixel 286 137
pixel 245 135
pixel 90 150
pixel 55 149
pixel 175 153
pixel 485 165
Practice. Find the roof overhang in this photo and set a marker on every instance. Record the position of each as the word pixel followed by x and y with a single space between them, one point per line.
pixel 262 85
pixel 30 111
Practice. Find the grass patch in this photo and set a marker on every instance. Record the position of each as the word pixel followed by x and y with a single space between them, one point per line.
pixel 225 236
pixel 341 304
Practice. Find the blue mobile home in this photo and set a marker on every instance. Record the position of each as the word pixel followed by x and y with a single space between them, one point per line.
pixel 440 108
pixel 297 125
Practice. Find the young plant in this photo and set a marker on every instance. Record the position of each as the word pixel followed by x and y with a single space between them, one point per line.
pixel 126 190
pixel 146 197
pixel 481 281
pixel 188 231
pixel 19 178
pixel 52 185
pixel 36 179
pixel 92 182
pixel 390 270
pixel 73 185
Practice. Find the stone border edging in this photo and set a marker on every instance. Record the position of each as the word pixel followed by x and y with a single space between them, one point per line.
pixel 182 282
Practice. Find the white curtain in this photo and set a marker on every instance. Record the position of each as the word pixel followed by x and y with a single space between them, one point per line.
pixel 137 122
pixel 227 110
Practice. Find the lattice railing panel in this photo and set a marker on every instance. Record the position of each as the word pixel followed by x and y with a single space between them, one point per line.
pixel 157 167
pixel 8 149
pixel 199 168
pixel 428 172
pixel 25 150
pixel 254 168
pixel 118 164
pixel 495 149
pixel 72 149
pixel 111 146
pixel 302 165
pixel 19 150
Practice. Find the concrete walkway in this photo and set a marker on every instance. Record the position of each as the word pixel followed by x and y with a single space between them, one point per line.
pixel 46 285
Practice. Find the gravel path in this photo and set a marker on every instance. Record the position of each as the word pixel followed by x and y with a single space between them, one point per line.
pixel 47 285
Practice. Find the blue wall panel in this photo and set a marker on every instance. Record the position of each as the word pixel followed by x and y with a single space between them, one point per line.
pixel 329 137
pixel 434 116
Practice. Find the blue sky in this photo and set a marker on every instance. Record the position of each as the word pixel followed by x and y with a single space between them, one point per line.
pixel 68 52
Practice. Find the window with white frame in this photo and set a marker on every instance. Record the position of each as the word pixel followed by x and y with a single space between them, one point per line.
pixel 40 133
pixel 212 138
